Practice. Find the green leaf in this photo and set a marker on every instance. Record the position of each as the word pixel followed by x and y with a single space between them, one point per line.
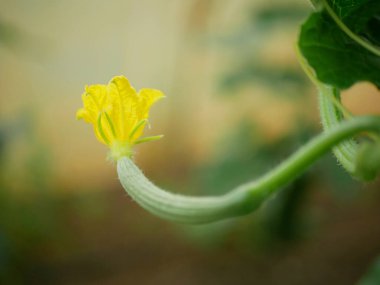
pixel 336 58
pixel 345 8
pixel 361 16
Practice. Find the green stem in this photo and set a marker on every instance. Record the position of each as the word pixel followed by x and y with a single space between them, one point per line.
pixel 331 116
pixel 365 44
pixel 245 198
pixel 332 113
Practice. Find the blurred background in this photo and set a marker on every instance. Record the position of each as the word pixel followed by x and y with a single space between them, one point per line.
pixel 237 104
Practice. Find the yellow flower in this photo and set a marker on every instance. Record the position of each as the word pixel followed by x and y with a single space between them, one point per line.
pixel 118 113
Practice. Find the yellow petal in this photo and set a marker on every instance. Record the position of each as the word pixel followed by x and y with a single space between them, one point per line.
pixel 124 100
pixel 94 101
pixel 147 97
pixel 82 114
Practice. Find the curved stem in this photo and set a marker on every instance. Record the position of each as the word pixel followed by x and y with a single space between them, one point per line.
pixel 246 197
pixel 331 116
pixel 332 113
pixel 365 44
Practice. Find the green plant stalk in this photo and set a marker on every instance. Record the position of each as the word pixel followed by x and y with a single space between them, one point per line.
pixel 245 198
pixel 331 116
pixel 332 113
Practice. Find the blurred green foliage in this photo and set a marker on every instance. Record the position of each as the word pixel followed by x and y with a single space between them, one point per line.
pixel 9 35
pixel 34 223
pixel 284 79
pixel 248 66
pixel 372 277
pixel 270 16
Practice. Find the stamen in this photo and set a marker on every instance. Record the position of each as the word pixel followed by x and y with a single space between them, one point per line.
pixel 137 127
pixel 100 128
pixel 109 121
pixel 149 139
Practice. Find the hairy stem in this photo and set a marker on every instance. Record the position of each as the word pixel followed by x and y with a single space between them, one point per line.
pixel 332 113
pixel 331 116
pixel 243 199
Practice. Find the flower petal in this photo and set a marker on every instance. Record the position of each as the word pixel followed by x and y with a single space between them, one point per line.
pixel 94 100
pixel 123 98
pixel 147 97
pixel 82 114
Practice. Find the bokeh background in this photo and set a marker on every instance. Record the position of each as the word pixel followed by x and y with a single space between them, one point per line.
pixel 237 104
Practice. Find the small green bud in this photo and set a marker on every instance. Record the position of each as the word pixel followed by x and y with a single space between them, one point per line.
pixel 368 161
